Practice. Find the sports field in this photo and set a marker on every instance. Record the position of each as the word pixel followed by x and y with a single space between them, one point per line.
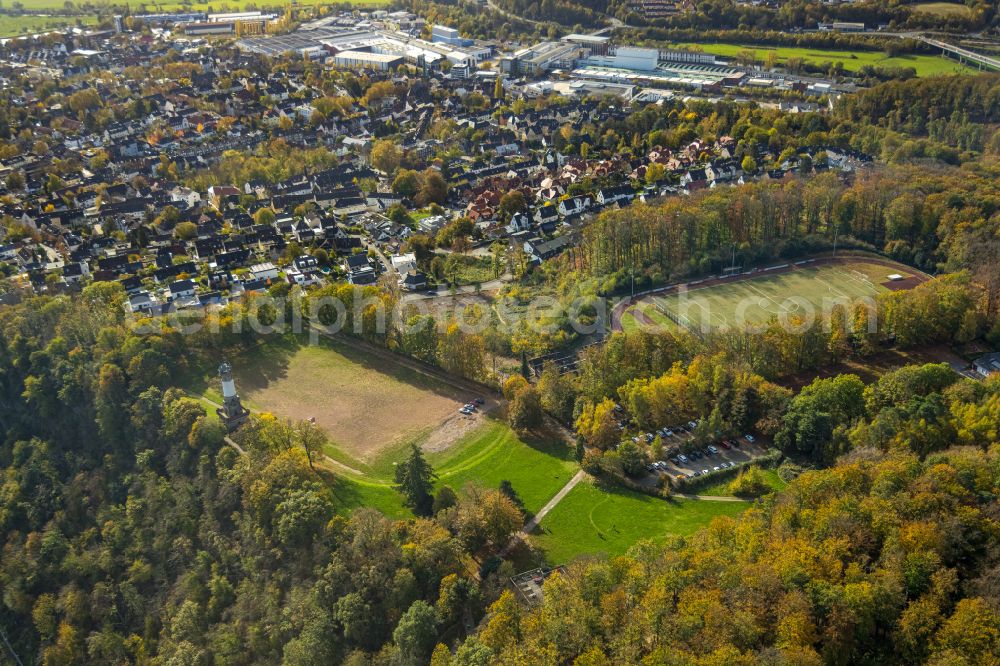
pixel 789 293
pixel 925 65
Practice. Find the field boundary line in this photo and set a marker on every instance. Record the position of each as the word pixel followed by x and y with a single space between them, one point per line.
pixel 760 292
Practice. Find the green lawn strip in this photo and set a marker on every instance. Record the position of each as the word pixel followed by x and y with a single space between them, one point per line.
pixel 491 454
pixel 536 468
pixel 593 520
pixel 925 65
pixel 721 487
pixel 352 493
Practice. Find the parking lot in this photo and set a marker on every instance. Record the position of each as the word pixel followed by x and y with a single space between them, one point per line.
pixel 681 458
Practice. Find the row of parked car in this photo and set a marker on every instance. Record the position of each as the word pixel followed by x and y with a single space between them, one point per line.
pixel 666 433
pixel 688 459
pixel 708 451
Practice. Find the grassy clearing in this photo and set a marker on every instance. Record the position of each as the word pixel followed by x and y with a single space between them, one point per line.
pixel 943 9
pixel 352 493
pixel 925 65
pixel 366 404
pixel 466 269
pixel 721 488
pixel 592 520
pixel 537 467
pixel 808 292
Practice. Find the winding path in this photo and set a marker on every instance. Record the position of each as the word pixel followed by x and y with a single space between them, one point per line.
pixel 551 504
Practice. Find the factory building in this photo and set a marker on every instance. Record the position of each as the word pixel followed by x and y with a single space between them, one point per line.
pixel 362 60
pixel 209 28
pixel 627 57
pixel 442 34
pixel 693 57
pixel 541 57
pixel 596 44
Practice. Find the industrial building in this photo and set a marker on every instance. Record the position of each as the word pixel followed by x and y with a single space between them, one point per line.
pixel 694 57
pixel 363 60
pixel 583 88
pixel 442 34
pixel 541 57
pixel 669 75
pixel 627 57
pixel 334 40
pixel 597 44
pixel 209 28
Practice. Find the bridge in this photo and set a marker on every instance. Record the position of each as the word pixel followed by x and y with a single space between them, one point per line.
pixel 963 55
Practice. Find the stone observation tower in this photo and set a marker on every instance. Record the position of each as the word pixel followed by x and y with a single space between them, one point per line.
pixel 232 412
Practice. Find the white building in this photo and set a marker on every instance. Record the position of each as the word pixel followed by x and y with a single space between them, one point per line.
pixel 627 57
pixel 363 60
pixel 404 263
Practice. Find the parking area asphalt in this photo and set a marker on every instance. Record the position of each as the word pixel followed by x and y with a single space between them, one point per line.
pixel 743 451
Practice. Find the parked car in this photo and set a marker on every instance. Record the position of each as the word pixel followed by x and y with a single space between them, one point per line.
pixel 692 424
pixel 466 411
pixel 749 438
pixel 735 443
pixel 724 445
pixel 669 432
pixel 479 401
pixel 683 459
pixel 716 468
pixel 712 449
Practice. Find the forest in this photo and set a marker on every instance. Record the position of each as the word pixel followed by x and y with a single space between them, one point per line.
pixel 132 533
pixel 887 558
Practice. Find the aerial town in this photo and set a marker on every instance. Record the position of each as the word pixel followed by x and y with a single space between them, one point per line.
pixel 492 332
pixel 127 216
